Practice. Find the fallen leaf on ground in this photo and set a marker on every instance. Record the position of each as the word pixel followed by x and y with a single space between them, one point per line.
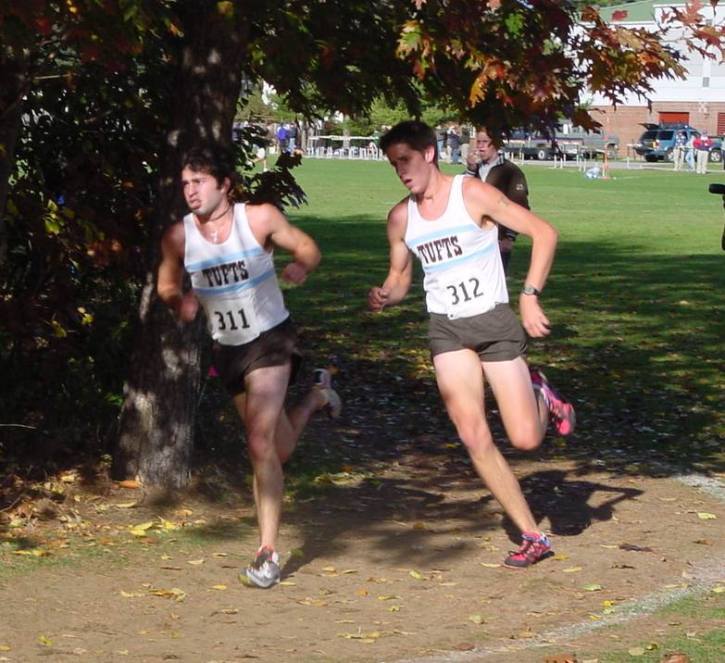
pixel 195 562
pixel 477 619
pixel 33 552
pixel 417 575
pixel 676 657
pixel 141 529
pixel 175 593
pixel 704 515
pixel 490 565
pixel 221 588
pixel 131 484
pixel 572 569
pixel 593 587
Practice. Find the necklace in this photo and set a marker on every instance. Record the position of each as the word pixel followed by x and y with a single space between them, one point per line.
pixel 216 229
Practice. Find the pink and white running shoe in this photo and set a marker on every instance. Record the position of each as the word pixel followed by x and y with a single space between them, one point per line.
pixel 561 411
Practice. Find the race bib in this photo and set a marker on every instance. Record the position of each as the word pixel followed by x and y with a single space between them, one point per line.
pixel 465 296
pixel 233 321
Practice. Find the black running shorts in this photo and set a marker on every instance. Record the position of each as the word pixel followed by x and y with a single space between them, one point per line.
pixel 274 347
pixel 496 335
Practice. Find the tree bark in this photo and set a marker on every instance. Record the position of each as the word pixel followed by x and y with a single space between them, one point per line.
pixel 13 83
pixel 156 427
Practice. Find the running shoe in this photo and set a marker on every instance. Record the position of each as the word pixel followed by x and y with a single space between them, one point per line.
pixel 323 382
pixel 264 570
pixel 534 548
pixel 561 411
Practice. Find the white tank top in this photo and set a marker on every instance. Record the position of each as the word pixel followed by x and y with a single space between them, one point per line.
pixel 461 261
pixel 235 281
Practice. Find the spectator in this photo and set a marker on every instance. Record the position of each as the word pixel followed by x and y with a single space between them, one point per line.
pixel 282 138
pixel 678 151
pixel 454 144
pixel 690 152
pixel 488 163
pixel 441 135
pixel 292 134
pixel 702 145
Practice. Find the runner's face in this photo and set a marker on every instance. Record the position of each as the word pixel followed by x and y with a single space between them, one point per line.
pixel 411 166
pixel 202 193
pixel 485 147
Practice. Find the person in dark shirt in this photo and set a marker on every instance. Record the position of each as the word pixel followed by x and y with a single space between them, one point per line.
pixel 488 163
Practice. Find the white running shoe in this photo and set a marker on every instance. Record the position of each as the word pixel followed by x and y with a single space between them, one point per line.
pixel 323 382
pixel 264 571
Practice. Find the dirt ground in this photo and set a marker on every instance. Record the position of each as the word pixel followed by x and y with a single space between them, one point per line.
pixel 401 561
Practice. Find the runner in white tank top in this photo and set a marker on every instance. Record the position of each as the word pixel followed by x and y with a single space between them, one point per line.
pixel 235 281
pixel 450 225
pixel 461 261
pixel 227 251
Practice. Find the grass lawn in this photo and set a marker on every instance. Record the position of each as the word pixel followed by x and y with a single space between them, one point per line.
pixel 635 297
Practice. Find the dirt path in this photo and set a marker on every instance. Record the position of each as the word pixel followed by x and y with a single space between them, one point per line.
pixel 399 562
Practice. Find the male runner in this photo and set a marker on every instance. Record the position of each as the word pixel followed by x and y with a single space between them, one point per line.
pixel 227 250
pixel 450 225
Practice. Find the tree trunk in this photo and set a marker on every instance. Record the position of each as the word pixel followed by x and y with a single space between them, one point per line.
pixel 13 83
pixel 156 428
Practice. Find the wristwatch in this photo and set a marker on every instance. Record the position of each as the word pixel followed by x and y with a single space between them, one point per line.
pixel 530 290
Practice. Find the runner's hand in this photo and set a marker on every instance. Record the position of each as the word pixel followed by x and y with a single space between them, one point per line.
pixel 377 299
pixel 533 318
pixel 294 273
pixel 188 307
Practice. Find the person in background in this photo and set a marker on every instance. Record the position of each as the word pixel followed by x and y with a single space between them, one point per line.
pixel 487 161
pixel 702 145
pixel 678 151
pixel 454 143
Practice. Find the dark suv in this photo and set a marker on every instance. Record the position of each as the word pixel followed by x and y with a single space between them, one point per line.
pixel 658 141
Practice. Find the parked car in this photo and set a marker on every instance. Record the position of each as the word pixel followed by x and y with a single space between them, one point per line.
pixel 658 141
pixel 565 145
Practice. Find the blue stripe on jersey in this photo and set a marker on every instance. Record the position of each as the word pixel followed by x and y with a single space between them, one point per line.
pixel 223 260
pixel 443 233
pixel 236 287
pixel 458 261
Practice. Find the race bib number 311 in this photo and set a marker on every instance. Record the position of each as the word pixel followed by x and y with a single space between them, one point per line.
pixel 233 324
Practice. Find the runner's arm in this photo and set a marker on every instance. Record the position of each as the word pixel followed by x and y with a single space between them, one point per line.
pixel 400 273
pixel 483 200
pixel 269 223
pixel 170 276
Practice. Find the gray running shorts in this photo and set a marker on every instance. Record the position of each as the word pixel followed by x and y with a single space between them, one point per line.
pixel 496 335
pixel 274 347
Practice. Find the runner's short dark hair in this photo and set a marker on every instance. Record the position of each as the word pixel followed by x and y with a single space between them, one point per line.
pixel 415 134
pixel 217 161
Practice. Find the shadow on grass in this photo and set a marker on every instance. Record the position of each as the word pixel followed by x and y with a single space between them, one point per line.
pixel 636 345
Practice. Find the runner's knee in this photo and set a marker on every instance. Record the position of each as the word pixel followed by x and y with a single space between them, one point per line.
pixel 526 438
pixel 260 446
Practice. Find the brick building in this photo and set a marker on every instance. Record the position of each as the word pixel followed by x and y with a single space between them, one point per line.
pixel 698 100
